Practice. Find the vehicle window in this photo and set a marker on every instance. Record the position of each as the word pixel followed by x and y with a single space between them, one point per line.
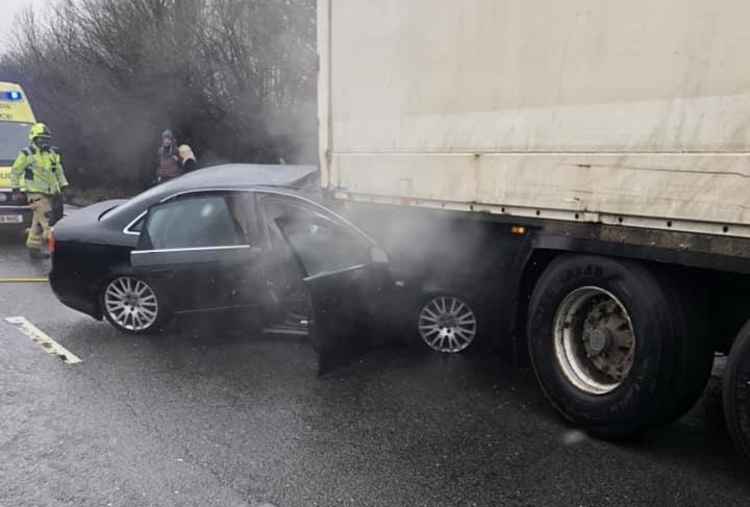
pixel 196 221
pixel 321 244
pixel 13 137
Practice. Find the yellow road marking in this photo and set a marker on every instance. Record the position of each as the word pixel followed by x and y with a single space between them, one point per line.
pixel 47 343
pixel 30 279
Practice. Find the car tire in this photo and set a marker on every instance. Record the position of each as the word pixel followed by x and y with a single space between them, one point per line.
pixel 133 305
pixel 736 392
pixel 447 323
pixel 608 345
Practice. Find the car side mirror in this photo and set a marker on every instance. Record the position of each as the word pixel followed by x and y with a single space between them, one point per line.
pixel 378 255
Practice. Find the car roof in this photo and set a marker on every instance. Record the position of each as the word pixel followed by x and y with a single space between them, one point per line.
pixel 287 191
pixel 244 175
pixel 228 176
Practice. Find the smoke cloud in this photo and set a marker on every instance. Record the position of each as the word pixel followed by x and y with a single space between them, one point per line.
pixel 235 79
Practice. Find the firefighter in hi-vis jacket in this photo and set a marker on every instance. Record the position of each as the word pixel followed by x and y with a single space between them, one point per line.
pixel 38 172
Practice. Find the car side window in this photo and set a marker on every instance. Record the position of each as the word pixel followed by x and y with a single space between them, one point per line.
pixel 206 220
pixel 320 243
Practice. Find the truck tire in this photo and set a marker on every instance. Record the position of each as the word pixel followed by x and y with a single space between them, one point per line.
pixel 696 351
pixel 736 392
pixel 609 346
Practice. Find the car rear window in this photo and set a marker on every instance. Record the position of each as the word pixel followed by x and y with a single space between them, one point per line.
pixel 201 221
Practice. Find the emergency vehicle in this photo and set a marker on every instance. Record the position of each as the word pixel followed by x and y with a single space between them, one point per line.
pixel 16 117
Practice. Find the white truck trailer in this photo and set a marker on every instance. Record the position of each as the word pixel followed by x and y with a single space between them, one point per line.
pixel 583 165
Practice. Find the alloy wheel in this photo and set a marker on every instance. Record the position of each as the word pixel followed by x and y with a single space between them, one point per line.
pixel 131 303
pixel 447 324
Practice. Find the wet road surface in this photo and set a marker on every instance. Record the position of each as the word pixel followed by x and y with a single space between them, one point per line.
pixel 232 418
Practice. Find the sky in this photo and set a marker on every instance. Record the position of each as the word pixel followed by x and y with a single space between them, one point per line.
pixel 8 12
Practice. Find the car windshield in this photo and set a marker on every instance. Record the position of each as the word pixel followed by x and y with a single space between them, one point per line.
pixel 13 137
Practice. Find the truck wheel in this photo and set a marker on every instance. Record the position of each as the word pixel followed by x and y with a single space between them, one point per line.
pixel 608 346
pixel 736 391
pixel 133 306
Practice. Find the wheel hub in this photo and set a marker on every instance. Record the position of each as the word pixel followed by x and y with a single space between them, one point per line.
pixel 594 340
pixel 598 341
pixel 447 332
pixel 447 321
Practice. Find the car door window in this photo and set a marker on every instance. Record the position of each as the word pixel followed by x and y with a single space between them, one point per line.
pixel 321 243
pixel 207 220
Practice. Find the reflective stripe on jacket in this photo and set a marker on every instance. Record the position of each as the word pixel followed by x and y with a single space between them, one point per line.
pixel 38 171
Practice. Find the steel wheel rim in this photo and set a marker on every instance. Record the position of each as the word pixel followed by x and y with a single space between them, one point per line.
pixel 131 303
pixel 594 340
pixel 447 324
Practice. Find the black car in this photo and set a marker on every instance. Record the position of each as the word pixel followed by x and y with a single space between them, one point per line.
pixel 244 238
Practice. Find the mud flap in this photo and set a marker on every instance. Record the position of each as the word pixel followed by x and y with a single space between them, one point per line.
pixel 345 309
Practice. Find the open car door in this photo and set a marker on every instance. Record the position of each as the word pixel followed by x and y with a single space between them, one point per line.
pixel 346 275
pixel 346 304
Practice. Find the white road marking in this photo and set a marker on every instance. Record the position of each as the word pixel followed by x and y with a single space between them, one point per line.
pixel 39 336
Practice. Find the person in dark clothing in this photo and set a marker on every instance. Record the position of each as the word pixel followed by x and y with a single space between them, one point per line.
pixel 169 162
pixel 187 159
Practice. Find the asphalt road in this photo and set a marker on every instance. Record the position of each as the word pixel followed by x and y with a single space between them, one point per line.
pixel 222 417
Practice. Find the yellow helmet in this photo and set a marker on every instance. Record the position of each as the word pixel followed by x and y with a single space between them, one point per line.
pixel 39 130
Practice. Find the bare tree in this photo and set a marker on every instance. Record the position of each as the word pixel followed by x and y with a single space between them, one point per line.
pixel 234 78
